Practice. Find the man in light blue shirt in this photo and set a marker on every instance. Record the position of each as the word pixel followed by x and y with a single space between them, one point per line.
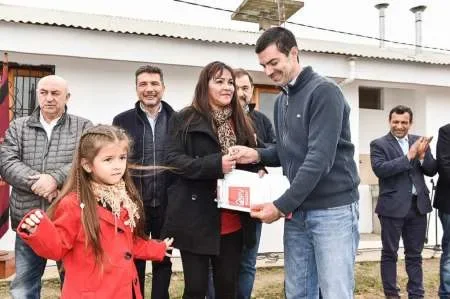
pixel 400 160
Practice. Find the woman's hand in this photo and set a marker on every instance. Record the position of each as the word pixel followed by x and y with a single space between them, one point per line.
pixel 169 247
pixel 228 163
pixel 32 221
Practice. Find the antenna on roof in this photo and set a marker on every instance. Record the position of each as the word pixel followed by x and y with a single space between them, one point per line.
pixel 281 12
pixel 266 13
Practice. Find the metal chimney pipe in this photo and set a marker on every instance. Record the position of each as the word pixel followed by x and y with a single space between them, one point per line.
pixel 382 8
pixel 418 11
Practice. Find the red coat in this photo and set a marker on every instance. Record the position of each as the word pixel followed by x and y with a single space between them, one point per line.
pixel 64 239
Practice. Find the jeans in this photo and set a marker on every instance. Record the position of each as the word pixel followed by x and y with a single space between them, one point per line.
pixel 444 273
pixel 29 270
pixel 320 248
pixel 161 271
pixel 248 267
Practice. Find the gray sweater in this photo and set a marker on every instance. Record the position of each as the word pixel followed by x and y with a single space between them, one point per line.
pixel 313 145
pixel 27 151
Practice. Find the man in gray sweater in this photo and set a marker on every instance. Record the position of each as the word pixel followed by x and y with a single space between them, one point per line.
pixel 35 159
pixel 314 148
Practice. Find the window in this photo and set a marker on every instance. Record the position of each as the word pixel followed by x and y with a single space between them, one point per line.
pixel 23 81
pixel 370 98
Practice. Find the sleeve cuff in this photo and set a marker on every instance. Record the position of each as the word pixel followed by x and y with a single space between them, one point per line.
pixel 283 205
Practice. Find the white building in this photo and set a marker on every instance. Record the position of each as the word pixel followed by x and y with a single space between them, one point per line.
pixel 99 54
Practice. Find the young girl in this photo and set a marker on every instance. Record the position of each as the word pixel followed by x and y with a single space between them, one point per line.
pixel 96 225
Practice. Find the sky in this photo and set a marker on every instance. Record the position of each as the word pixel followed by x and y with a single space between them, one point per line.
pixel 356 16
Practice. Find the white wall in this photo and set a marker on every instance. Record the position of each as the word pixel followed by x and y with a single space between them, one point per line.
pixel 374 123
pixel 52 40
pixel 103 88
pixel 437 115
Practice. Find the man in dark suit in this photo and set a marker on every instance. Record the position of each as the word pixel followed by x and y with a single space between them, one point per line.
pixel 442 203
pixel 400 160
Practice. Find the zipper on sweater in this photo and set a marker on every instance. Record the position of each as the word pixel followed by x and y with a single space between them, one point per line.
pixel 284 130
pixel 44 161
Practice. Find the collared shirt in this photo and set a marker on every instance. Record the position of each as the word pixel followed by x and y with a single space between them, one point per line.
pixel 404 144
pixel 151 120
pixel 48 127
pixel 292 82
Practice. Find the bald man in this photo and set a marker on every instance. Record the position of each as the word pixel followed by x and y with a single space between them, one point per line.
pixel 35 159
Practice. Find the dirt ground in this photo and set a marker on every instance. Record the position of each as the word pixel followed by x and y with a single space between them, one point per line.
pixel 269 282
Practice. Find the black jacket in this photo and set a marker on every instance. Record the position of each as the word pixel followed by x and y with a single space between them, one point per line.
pixel 150 184
pixel 192 217
pixel 442 198
pixel 263 126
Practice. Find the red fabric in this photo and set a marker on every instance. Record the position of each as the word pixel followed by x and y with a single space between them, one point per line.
pixel 64 239
pixel 4 123
pixel 230 222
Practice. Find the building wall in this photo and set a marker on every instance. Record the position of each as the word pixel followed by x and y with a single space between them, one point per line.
pixel 374 123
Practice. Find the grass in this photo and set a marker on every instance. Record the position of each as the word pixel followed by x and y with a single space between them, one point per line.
pixel 269 282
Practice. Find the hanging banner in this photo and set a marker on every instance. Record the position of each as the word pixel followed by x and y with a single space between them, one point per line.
pixel 4 124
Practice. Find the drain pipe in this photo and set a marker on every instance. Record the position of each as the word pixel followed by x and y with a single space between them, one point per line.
pixel 418 11
pixel 382 15
pixel 352 72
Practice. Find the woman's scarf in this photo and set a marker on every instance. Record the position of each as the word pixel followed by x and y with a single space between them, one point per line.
pixel 225 132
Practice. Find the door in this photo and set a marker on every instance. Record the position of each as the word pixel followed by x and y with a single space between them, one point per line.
pixel 265 99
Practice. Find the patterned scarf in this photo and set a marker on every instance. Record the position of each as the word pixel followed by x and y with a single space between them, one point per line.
pixel 115 197
pixel 225 132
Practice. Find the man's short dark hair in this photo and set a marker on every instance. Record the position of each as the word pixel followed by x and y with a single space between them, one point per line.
pixel 241 72
pixel 281 37
pixel 400 109
pixel 150 69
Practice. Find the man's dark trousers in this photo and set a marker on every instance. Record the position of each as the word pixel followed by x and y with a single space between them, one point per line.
pixel 161 272
pixel 412 229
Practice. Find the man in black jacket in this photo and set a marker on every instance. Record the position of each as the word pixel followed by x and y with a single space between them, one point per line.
pixel 442 203
pixel 147 124
pixel 263 126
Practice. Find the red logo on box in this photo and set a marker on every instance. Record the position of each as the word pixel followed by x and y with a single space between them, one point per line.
pixel 239 196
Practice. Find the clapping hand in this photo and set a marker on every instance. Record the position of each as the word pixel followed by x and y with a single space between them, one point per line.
pixel 169 247
pixel 423 147
pixel 30 223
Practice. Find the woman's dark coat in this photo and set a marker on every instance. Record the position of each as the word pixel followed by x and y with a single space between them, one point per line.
pixel 192 218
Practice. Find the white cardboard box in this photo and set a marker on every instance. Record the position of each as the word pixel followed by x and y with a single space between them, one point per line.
pixel 240 189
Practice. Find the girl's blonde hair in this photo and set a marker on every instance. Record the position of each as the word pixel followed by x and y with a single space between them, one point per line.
pixel 92 140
